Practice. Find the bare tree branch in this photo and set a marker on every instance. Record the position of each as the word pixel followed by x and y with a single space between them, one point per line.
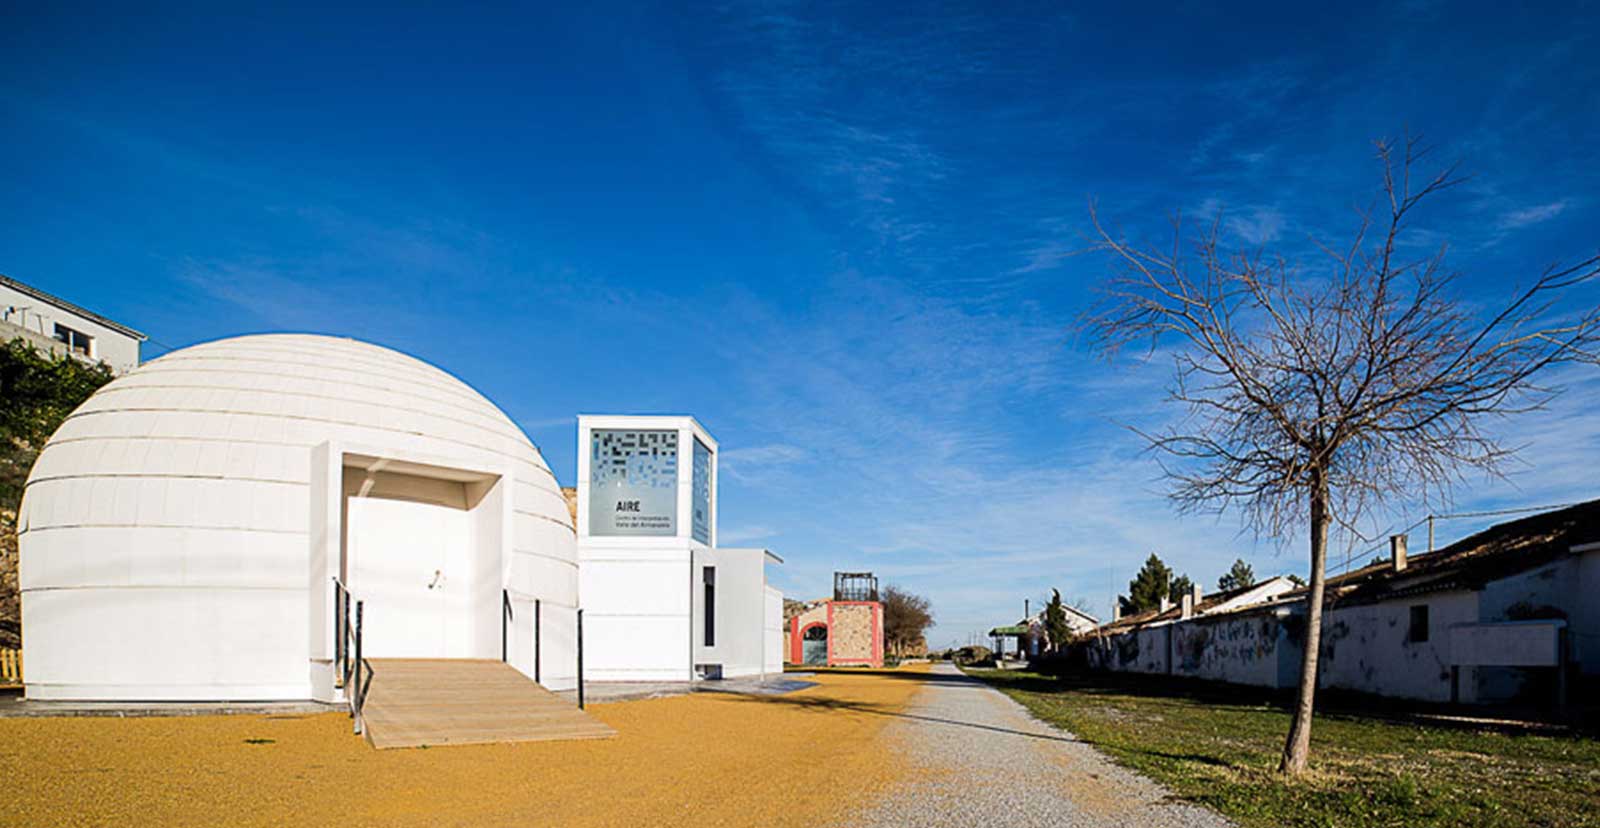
pixel 1313 401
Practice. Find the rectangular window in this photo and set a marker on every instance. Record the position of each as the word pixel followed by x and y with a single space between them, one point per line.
pixel 1418 632
pixel 708 575
pixel 77 342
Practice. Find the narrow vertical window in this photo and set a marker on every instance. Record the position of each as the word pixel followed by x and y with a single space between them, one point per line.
pixel 1418 632
pixel 708 575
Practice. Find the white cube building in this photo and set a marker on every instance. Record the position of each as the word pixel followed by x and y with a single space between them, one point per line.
pixel 662 602
pixel 183 532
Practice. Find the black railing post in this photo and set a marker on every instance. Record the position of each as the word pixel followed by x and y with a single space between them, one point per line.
pixel 580 659
pixel 344 643
pixel 355 707
pixel 334 654
pixel 505 618
pixel 536 659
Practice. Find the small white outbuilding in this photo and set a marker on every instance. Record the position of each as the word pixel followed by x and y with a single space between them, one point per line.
pixel 183 533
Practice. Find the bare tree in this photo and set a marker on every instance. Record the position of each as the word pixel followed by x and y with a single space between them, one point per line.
pixel 1311 397
pixel 906 616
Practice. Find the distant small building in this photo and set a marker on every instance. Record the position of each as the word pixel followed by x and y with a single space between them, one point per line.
pixel 1510 613
pixel 846 631
pixel 1034 638
pixel 55 325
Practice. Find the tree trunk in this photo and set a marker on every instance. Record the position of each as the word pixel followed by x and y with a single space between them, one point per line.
pixel 1297 749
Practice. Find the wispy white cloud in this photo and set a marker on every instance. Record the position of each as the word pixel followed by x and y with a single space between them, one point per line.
pixel 747 464
pixel 549 424
pixel 744 534
pixel 1257 227
pixel 1529 216
pixel 1047 256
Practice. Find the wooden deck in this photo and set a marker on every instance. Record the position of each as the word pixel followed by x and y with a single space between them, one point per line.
pixel 417 702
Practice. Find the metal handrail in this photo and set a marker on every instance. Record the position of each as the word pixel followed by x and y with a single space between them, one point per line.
pixel 348 636
pixel 341 620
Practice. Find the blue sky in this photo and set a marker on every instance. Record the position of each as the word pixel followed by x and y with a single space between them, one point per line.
pixel 839 235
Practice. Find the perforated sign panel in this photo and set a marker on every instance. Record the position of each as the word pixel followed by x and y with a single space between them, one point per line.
pixel 633 482
pixel 700 526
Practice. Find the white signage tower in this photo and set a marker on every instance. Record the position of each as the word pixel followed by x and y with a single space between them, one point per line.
pixel 661 601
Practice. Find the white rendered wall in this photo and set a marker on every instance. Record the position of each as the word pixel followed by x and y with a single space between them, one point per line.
pixel 1364 648
pixel 774 641
pixel 1141 650
pixel 1242 648
pixel 180 532
pixel 38 317
pixel 636 614
pixel 637 590
pixel 740 594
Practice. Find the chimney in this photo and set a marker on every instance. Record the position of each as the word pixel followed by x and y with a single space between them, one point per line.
pixel 1116 610
pixel 1199 595
pixel 1166 604
pixel 1188 606
pixel 1397 552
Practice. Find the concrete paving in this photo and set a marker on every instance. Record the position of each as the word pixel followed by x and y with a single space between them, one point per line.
pixel 14 706
pixel 613 691
pixel 979 759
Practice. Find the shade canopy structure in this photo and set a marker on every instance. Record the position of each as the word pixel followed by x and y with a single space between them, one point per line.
pixel 185 532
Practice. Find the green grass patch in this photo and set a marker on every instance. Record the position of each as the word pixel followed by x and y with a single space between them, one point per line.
pixel 1220 749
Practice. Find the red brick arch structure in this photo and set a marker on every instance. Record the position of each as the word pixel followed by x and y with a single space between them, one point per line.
pixel 855 633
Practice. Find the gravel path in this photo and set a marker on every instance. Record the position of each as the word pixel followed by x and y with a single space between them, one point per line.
pixel 980 759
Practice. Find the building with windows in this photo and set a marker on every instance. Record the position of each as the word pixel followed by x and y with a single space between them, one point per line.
pixel 1505 614
pixel 662 601
pixel 1032 636
pixel 58 326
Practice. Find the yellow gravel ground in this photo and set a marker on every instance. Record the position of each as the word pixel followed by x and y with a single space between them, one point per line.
pixel 703 759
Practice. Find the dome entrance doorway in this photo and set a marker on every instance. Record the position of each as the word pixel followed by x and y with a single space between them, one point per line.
pixel 422 551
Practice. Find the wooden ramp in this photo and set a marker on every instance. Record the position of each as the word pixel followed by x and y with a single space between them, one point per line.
pixel 420 701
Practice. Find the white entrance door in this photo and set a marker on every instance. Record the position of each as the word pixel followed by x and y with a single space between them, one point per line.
pixel 409 563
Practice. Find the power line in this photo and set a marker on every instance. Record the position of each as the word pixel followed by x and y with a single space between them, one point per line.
pixel 153 341
pixel 1430 519
pixel 1493 512
pixel 1349 561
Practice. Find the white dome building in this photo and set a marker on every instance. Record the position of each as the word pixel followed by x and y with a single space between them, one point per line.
pixel 183 533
